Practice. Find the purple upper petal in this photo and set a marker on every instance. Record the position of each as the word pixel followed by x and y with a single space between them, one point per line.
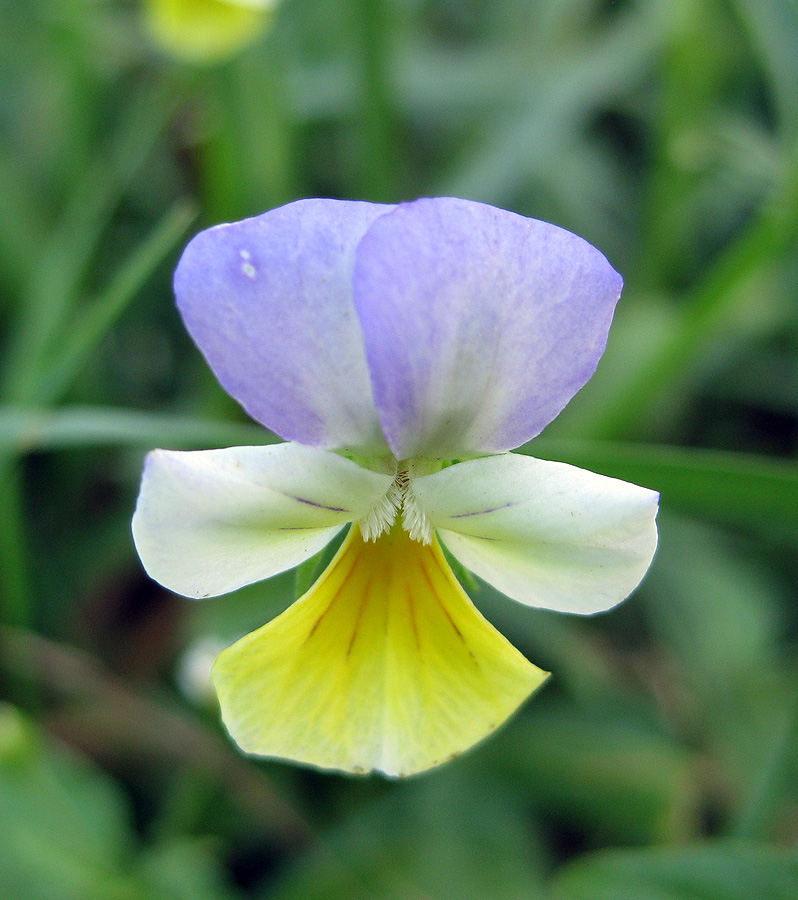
pixel 479 324
pixel 468 326
pixel 268 301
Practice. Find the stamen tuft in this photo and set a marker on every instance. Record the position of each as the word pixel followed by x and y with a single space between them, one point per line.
pixel 382 515
pixel 414 519
pixel 400 496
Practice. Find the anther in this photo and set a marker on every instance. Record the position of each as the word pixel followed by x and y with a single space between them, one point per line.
pixel 400 496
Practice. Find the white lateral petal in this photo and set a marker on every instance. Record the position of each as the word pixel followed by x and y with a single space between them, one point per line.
pixel 544 533
pixel 210 521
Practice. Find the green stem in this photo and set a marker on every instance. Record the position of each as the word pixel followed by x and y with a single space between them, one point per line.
pixel 266 138
pixel 15 587
pixel 378 135
pixel 248 163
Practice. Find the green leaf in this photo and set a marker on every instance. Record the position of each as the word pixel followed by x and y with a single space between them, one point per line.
pixel 606 772
pixel 708 872
pixel 772 26
pixel 713 608
pixel 716 615
pixel 429 838
pixel 63 824
pixel 713 303
pixel 185 870
pixel 66 834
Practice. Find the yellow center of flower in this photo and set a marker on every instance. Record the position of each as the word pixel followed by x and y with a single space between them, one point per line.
pixel 383 664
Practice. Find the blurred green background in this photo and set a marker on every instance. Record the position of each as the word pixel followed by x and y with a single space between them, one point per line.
pixel 661 760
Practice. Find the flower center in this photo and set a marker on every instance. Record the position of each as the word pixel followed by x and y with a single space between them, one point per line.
pixel 400 496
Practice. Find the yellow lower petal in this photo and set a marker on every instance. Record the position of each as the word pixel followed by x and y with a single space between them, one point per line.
pixel 204 31
pixel 383 664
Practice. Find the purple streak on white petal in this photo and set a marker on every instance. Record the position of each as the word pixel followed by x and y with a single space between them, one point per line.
pixel 545 533
pixel 209 521
pixel 268 301
pixel 479 324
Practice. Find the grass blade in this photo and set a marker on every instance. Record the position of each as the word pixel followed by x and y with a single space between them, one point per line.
pixel 81 341
pixel 26 429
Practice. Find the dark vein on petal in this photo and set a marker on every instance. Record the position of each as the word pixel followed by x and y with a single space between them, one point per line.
pixel 446 611
pixel 317 505
pixel 358 618
pixel 483 512
pixel 335 598
pixel 411 606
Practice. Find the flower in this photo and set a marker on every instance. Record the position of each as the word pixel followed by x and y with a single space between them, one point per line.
pixel 206 31
pixel 401 352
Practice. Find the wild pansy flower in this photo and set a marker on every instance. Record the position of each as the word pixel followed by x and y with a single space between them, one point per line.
pixel 401 352
pixel 206 31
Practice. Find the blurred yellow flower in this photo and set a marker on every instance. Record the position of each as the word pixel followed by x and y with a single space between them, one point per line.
pixel 206 31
